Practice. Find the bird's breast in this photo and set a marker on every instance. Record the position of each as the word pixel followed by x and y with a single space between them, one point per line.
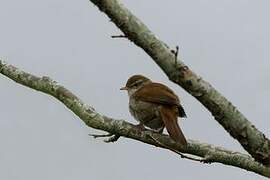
pixel 146 113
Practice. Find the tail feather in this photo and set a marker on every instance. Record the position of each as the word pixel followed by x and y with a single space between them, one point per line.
pixel 169 118
pixel 181 111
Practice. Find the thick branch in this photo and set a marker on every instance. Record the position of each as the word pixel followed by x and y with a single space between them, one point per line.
pixel 223 111
pixel 209 153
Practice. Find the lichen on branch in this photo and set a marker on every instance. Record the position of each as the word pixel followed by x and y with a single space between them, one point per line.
pixel 226 114
pixel 91 118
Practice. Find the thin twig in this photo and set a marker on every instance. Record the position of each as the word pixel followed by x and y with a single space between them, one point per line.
pixel 203 160
pixel 175 52
pixel 118 36
pixel 112 137
pixel 100 135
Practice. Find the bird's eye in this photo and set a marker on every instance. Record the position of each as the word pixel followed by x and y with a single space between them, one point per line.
pixel 136 84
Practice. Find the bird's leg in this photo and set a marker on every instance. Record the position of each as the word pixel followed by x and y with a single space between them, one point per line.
pixel 140 126
pixel 159 130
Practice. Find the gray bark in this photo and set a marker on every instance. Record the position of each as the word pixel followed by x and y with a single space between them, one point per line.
pixel 87 114
pixel 231 119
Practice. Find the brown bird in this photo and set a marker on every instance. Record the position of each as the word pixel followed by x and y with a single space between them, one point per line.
pixel 154 105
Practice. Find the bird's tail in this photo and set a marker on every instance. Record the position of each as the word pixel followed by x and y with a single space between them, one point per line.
pixel 169 118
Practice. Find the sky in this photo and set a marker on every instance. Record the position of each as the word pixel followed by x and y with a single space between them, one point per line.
pixel 226 42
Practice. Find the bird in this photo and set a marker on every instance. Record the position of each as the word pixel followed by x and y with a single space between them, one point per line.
pixel 155 106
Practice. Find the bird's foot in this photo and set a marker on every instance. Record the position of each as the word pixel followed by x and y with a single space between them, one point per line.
pixel 140 127
pixel 160 130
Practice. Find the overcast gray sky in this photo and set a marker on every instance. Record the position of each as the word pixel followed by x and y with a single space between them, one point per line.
pixel 225 41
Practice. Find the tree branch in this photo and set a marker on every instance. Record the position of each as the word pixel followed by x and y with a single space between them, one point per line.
pixel 86 113
pixel 232 120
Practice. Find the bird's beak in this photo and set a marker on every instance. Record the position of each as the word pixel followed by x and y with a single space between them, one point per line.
pixel 123 88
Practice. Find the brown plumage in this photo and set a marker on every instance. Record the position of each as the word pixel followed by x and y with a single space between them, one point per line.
pixel 155 106
pixel 161 94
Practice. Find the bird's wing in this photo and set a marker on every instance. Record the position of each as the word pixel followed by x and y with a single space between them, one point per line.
pixel 159 94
